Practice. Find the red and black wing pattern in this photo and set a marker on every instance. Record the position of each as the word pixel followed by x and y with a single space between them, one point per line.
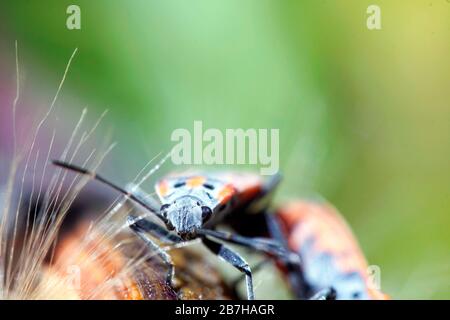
pixel 214 189
pixel 329 251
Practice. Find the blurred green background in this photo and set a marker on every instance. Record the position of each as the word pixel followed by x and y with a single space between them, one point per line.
pixel 364 116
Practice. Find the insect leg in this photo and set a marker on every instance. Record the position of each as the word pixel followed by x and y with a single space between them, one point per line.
pixel 325 294
pixel 274 228
pixel 265 245
pixel 255 268
pixel 288 258
pixel 294 269
pixel 141 226
pixel 153 228
pixel 235 260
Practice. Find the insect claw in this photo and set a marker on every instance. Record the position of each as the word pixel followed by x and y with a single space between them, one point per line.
pixel 131 220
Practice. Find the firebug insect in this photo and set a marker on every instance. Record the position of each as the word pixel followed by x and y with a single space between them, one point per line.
pixel 332 262
pixel 192 205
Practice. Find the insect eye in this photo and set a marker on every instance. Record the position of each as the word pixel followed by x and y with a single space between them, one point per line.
pixel 206 213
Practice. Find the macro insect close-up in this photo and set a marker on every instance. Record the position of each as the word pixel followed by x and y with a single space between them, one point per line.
pixel 226 150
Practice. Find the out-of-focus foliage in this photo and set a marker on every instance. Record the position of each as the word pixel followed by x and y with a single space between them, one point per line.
pixel 363 115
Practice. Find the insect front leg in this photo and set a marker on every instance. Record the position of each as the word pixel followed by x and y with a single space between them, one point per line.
pixel 235 260
pixel 153 228
pixel 143 226
pixel 325 294
pixel 235 283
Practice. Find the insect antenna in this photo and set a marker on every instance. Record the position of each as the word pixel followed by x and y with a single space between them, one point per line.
pixel 93 175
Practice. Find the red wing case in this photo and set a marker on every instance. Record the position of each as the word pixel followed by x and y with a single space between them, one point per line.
pixel 330 253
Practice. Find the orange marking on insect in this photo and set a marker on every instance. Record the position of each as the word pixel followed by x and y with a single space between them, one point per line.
pixel 163 188
pixel 195 181
pixel 331 234
pixel 225 194
pixel 250 192
pixel 329 231
pixel 375 294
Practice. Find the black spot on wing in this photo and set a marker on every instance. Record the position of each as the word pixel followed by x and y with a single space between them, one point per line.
pixel 208 186
pixel 179 184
